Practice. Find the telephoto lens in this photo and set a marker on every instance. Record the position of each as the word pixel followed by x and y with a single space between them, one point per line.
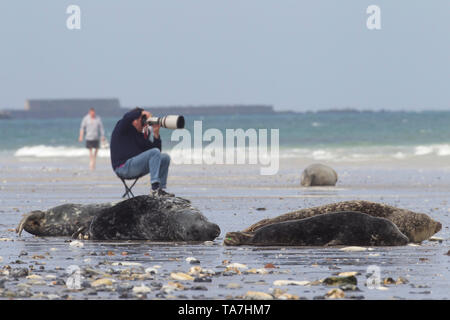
pixel 169 122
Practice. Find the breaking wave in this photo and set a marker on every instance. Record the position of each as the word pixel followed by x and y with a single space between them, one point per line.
pixel 337 154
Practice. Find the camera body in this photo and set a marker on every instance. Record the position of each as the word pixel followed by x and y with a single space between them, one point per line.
pixel 169 122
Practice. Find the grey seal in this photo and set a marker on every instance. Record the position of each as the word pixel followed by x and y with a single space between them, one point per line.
pixel 416 226
pixel 318 175
pixel 152 218
pixel 60 221
pixel 331 229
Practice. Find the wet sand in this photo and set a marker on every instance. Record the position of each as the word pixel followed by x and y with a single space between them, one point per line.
pixel 234 197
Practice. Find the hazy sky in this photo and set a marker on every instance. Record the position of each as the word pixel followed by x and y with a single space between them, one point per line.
pixel 299 55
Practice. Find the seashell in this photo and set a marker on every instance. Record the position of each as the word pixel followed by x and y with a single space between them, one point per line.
pixel 181 276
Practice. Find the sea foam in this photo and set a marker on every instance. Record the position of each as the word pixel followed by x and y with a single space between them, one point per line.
pixel 43 151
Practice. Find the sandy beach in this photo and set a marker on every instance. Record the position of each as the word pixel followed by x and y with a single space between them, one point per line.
pixel 234 197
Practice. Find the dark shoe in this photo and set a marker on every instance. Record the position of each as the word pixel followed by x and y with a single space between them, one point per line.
pixel 161 193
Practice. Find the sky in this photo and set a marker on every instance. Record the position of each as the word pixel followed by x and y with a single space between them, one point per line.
pixel 292 54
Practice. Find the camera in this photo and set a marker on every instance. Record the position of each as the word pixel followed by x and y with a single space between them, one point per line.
pixel 169 122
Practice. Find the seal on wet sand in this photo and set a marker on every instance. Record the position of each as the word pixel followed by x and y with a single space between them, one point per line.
pixel 60 221
pixel 152 218
pixel 331 229
pixel 416 226
pixel 318 175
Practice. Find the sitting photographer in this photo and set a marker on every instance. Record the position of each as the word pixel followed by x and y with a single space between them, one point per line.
pixel 134 155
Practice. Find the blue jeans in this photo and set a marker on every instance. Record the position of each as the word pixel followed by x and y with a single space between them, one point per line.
pixel 152 161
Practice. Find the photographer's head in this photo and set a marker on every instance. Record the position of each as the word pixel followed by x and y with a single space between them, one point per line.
pixel 138 123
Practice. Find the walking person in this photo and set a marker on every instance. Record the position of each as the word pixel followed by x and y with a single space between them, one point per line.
pixel 133 154
pixel 92 128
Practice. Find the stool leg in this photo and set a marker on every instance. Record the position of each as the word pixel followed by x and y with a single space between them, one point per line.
pixel 128 189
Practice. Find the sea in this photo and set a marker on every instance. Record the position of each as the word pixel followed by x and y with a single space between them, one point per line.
pixel 322 136
pixel 396 158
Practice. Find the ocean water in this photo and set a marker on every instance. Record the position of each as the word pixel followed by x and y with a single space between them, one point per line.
pixel 332 136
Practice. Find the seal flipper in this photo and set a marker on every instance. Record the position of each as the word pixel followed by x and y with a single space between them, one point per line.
pixel 79 232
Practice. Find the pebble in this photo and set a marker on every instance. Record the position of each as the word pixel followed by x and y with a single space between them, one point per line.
pixel 257 295
pixel 19 272
pixel 76 244
pixel 349 287
pixel 348 274
pixel 142 289
pixel 126 263
pixel 37 282
pixel 102 282
pixel 233 285
pixel 337 281
pixel 353 249
pixel 192 260
pixel 440 240
pixel 123 287
pixel 381 288
pixel 290 283
pixel 151 270
pixel 238 266
pixel 202 279
pixel 171 286
pixel 198 288
pixel 258 271
pixel 195 270
pixel 288 296
pixel 181 276
pixel 335 294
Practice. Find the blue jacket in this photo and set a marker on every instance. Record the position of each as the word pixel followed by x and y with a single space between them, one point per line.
pixel 127 142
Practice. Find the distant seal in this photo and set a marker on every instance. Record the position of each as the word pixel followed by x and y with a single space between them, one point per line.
pixel 331 229
pixel 318 175
pixel 152 218
pixel 60 221
pixel 416 226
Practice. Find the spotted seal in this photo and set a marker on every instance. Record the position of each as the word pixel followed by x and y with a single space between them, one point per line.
pixel 330 229
pixel 60 221
pixel 416 226
pixel 152 218
pixel 318 175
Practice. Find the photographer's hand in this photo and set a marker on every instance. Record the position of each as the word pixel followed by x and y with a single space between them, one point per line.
pixel 156 130
pixel 146 113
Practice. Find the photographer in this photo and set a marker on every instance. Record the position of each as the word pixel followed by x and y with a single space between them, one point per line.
pixel 134 155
